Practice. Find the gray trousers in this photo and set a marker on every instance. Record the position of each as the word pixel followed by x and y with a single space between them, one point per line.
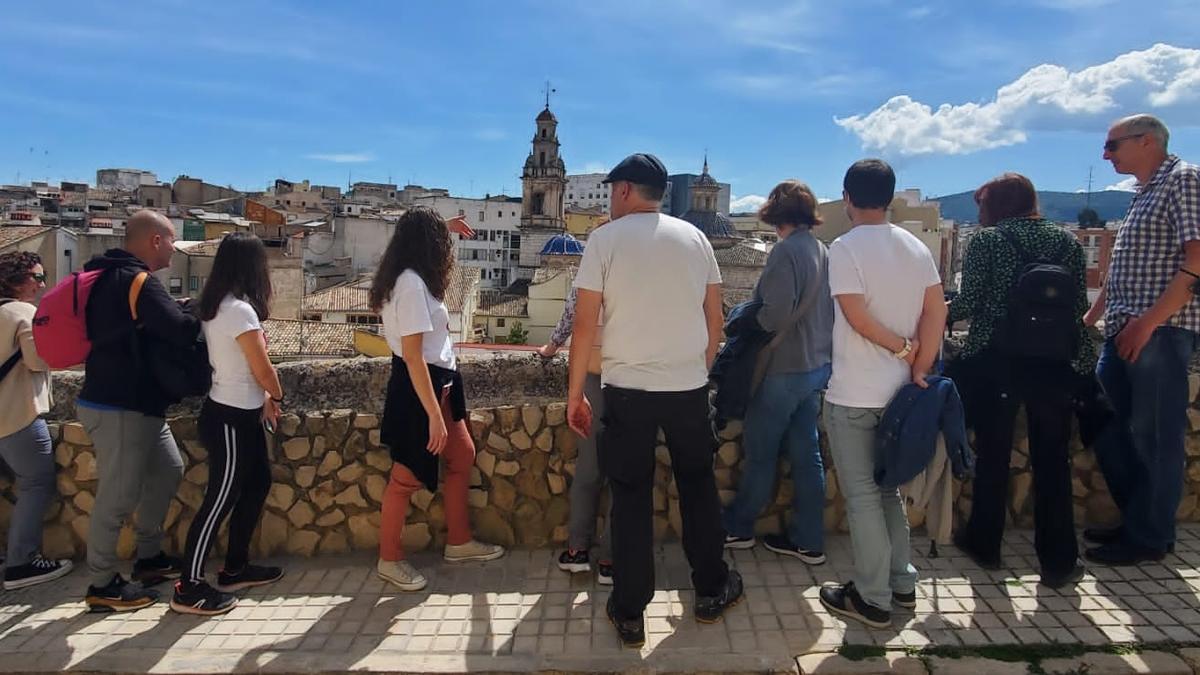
pixel 28 453
pixel 139 471
pixel 585 489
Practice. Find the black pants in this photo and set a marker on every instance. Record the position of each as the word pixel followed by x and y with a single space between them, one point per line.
pixel 239 478
pixel 1046 394
pixel 632 419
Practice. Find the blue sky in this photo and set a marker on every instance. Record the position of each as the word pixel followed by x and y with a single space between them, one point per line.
pixel 444 94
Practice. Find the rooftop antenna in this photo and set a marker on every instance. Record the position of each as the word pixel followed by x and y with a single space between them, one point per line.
pixel 1087 200
pixel 549 90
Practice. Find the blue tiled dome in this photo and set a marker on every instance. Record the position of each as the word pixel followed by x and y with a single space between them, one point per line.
pixel 563 244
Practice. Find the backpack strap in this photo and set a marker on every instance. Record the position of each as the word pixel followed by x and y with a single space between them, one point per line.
pixel 12 361
pixel 135 290
pixel 1012 240
pixel 1064 247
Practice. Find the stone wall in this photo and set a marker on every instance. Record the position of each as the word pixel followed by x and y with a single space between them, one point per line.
pixel 330 472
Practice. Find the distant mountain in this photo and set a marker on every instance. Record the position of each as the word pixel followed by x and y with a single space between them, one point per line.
pixel 1057 206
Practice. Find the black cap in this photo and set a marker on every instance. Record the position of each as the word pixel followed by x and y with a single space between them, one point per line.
pixel 641 169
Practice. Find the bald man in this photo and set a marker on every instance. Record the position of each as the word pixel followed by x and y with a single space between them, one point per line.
pixel 123 408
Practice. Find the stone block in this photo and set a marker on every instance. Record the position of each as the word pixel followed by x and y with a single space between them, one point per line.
pixel 84 501
pixel 335 542
pixel 195 450
pixel 174 509
pixel 305 476
pixel 520 440
pixel 379 460
pixel 480 421
pixel 531 418
pixel 1187 506
pixel 1021 485
pixel 422 498
pixel 503 495
pixel 476 479
pixel 498 443
pixel 416 537
pixel 1193 386
pixel 126 543
pixel 85 467
pixel 80 525
pixel 729 452
pixel 272 534
pixel 507 468
pixel 314 422
pixel 301 515
pixel 366 421
pixel 74 433
pixel 289 424
pixel 508 416
pixel 376 487
pixel 559 534
pixel 732 430
pixel 296 449
pixel 64 454
pixel 66 486
pixel 318 447
pixel 486 462
pixel 281 496
pixel 544 440
pixel 334 517
pixel 662 455
pixel 197 475
pixel 556 414
pixel 528 525
pixel 532 485
pixel 322 495
pixel 1098 663
pixel 566 442
pixel 303 543
pixel 351 472
pixel 57 542
pixel 364 533
pixel 351 496
pixel 829 663
pixel 556 483
pixel 374 437
pixel 354 445
pixel 190 494
pixel 332 462
pixel 477 499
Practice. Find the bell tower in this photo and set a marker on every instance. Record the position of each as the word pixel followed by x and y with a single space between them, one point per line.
pixel 543 187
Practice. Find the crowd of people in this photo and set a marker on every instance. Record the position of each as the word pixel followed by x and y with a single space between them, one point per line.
pixel 844 329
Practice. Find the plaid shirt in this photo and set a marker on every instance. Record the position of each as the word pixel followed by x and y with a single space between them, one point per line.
pixel 1164 214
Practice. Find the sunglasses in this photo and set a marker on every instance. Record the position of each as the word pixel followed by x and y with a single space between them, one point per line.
pixel 1112 144
pixel 40 278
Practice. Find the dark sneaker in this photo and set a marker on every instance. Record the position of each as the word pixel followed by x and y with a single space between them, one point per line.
pixel 1069 578
pixel 248 577
pixel 574 561
pixel 604 573
pixel 905 600
pixel 739 543
pixel 1121 554
pixel 963 544
pixel 846 601
pixel 201 599
pixel 710 608
pixel 632 632
pixel 36 571
pixel 160 568
pixel 119 596
pixel 1102 535
pixel 784 546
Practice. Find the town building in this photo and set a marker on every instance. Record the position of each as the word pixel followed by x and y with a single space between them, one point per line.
pixel 587 191
pixel 704 211
pixel 543 193
pixel 124 180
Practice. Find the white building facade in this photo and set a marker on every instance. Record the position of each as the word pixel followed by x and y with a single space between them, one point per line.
pixel 495 250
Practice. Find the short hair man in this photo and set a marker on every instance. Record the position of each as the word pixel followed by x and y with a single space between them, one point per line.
pixel 123 408
pixel 888 321
pixel 658 281
pixel 1151 329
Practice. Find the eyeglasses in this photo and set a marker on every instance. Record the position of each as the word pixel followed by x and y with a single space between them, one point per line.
pixel 1112 144
pixel 40 278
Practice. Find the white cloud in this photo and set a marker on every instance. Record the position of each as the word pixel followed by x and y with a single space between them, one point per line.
pixel 1127 185
pixel 491 134
pixel 1045 97
pixel 342 157
pixel 746 203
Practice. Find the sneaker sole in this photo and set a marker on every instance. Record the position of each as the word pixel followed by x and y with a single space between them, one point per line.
pixel 630 645
pixel 740 545
pixel 904 604
pixel 230 588
pixel 851 614
pixel 188 609
pixel 806 559
pixel 575 568
pixel 34 581
pixel 475 558
pixel 102 606
pixel 407 586
pixel 721 617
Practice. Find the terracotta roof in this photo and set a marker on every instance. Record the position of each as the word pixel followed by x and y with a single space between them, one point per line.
pixel 352 296
pixel 741 256
pixel 205 249
pixel 319 338
pixel 464 283
pixel 543 274
pixel 495 303
pixel 14 234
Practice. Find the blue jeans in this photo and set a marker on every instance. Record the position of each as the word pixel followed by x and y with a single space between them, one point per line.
pixel 29 455
pixel 1142 452
pixel 878 523
pixel 782 417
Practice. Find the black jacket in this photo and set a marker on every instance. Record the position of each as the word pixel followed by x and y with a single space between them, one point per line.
pixel 117 372
pixel 405 425
pixel 733 368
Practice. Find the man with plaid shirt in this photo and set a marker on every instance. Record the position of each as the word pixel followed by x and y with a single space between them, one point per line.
pixel 1151 328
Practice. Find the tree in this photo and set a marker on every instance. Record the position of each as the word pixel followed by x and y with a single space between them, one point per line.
pixel 517 335
pixel 1089 218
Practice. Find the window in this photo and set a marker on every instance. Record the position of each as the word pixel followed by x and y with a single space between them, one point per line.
pixel 500 322
pixel 570 195
pixel 481 216
pixel 193 284
pixel 542 158
pixel 176 286
pixel 311 317
pixel 289 202
pixel 543 133
pixel 483 274
pixel 539 200
pixel 499 214
pixel 514 241
pixel 364 319
pixel 514 214
pixel 492 235
pixel 149 201
pixel 461 212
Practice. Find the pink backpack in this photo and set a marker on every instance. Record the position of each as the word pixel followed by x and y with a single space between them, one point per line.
pixel 60 324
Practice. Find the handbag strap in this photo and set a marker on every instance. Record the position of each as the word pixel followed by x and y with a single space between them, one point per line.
pixel 806 303
pixel 12 361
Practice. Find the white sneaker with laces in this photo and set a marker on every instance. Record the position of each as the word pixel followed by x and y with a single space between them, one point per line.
pixel 472 551
pixel 401 574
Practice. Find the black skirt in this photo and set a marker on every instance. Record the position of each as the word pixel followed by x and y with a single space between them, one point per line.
pixel 405 426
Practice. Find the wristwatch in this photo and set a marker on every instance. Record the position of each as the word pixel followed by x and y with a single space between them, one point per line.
pixel 1195 287
pixel 903 353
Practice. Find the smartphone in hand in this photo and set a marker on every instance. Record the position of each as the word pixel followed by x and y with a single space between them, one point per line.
pixel 270 428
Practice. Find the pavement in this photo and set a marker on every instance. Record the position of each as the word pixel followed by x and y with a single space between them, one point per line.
pixel 521 614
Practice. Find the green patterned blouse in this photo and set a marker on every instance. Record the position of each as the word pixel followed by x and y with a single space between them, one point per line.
pixel 990 269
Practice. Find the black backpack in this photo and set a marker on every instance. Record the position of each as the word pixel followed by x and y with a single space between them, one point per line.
pixel 1040 322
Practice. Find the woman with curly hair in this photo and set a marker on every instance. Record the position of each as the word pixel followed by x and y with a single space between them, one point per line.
pixel 424 414
pixel 24 438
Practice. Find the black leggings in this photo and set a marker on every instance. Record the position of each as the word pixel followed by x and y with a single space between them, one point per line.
pixel 239 478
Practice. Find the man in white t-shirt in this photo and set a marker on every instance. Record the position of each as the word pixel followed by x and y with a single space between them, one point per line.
pixel 888 321
pixel 657 280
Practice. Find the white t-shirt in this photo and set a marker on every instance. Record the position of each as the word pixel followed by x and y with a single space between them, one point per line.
pixel 413 310
pixel 653 271
pixel 233 383
pixel 892 269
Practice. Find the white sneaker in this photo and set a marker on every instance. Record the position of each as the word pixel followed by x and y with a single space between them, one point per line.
pixel 401 574
pixel 473 551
